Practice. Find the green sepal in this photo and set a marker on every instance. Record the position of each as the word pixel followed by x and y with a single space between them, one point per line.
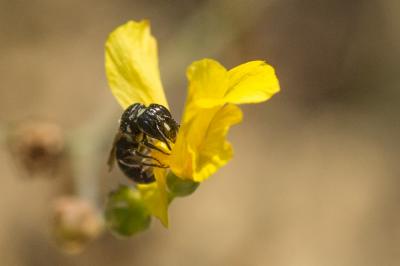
pixel 179 187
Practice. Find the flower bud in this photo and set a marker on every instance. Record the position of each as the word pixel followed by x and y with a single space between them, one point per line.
pixel 75 223
pixel 126 213
pixel 180 187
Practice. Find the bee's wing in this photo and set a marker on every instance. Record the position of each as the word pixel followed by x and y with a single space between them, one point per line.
pixel 131 63
pixel 111 156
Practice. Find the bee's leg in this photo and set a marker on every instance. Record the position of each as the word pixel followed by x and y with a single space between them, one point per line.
pixel 142 155
pixel 142 164
pixel 154 165
pixel 164 139
pixel 136 160
pixel 152 146
pixel 134 165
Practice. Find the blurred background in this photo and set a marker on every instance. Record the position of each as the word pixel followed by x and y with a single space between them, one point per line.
pixel 315 177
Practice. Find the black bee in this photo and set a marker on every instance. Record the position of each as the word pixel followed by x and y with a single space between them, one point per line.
pixel 140 127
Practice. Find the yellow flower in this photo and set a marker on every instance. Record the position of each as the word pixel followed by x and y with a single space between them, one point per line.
pixel 211 107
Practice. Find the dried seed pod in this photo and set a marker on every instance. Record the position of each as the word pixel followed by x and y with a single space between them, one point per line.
pixel 37 147
pixel 75 223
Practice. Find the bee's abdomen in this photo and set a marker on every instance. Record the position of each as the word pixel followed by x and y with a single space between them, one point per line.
pixel 137 173
pixel 130 166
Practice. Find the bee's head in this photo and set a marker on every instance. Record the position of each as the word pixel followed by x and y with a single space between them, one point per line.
pixel 127 122
pixel 156 122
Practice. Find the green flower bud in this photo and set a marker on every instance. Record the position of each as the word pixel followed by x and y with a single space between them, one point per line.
pixel 179 187
pixel 125 212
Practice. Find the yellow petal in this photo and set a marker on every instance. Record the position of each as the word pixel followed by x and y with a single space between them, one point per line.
pixel 252 82
pixel 211 85
pixel 208 81
pixel 155 196
pixel 132 65
pixel 182 159
pixel 201 148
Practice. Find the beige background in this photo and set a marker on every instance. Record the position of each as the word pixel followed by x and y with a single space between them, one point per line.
pixel 315 178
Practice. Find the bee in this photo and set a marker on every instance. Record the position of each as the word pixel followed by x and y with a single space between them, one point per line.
pixel 140 128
